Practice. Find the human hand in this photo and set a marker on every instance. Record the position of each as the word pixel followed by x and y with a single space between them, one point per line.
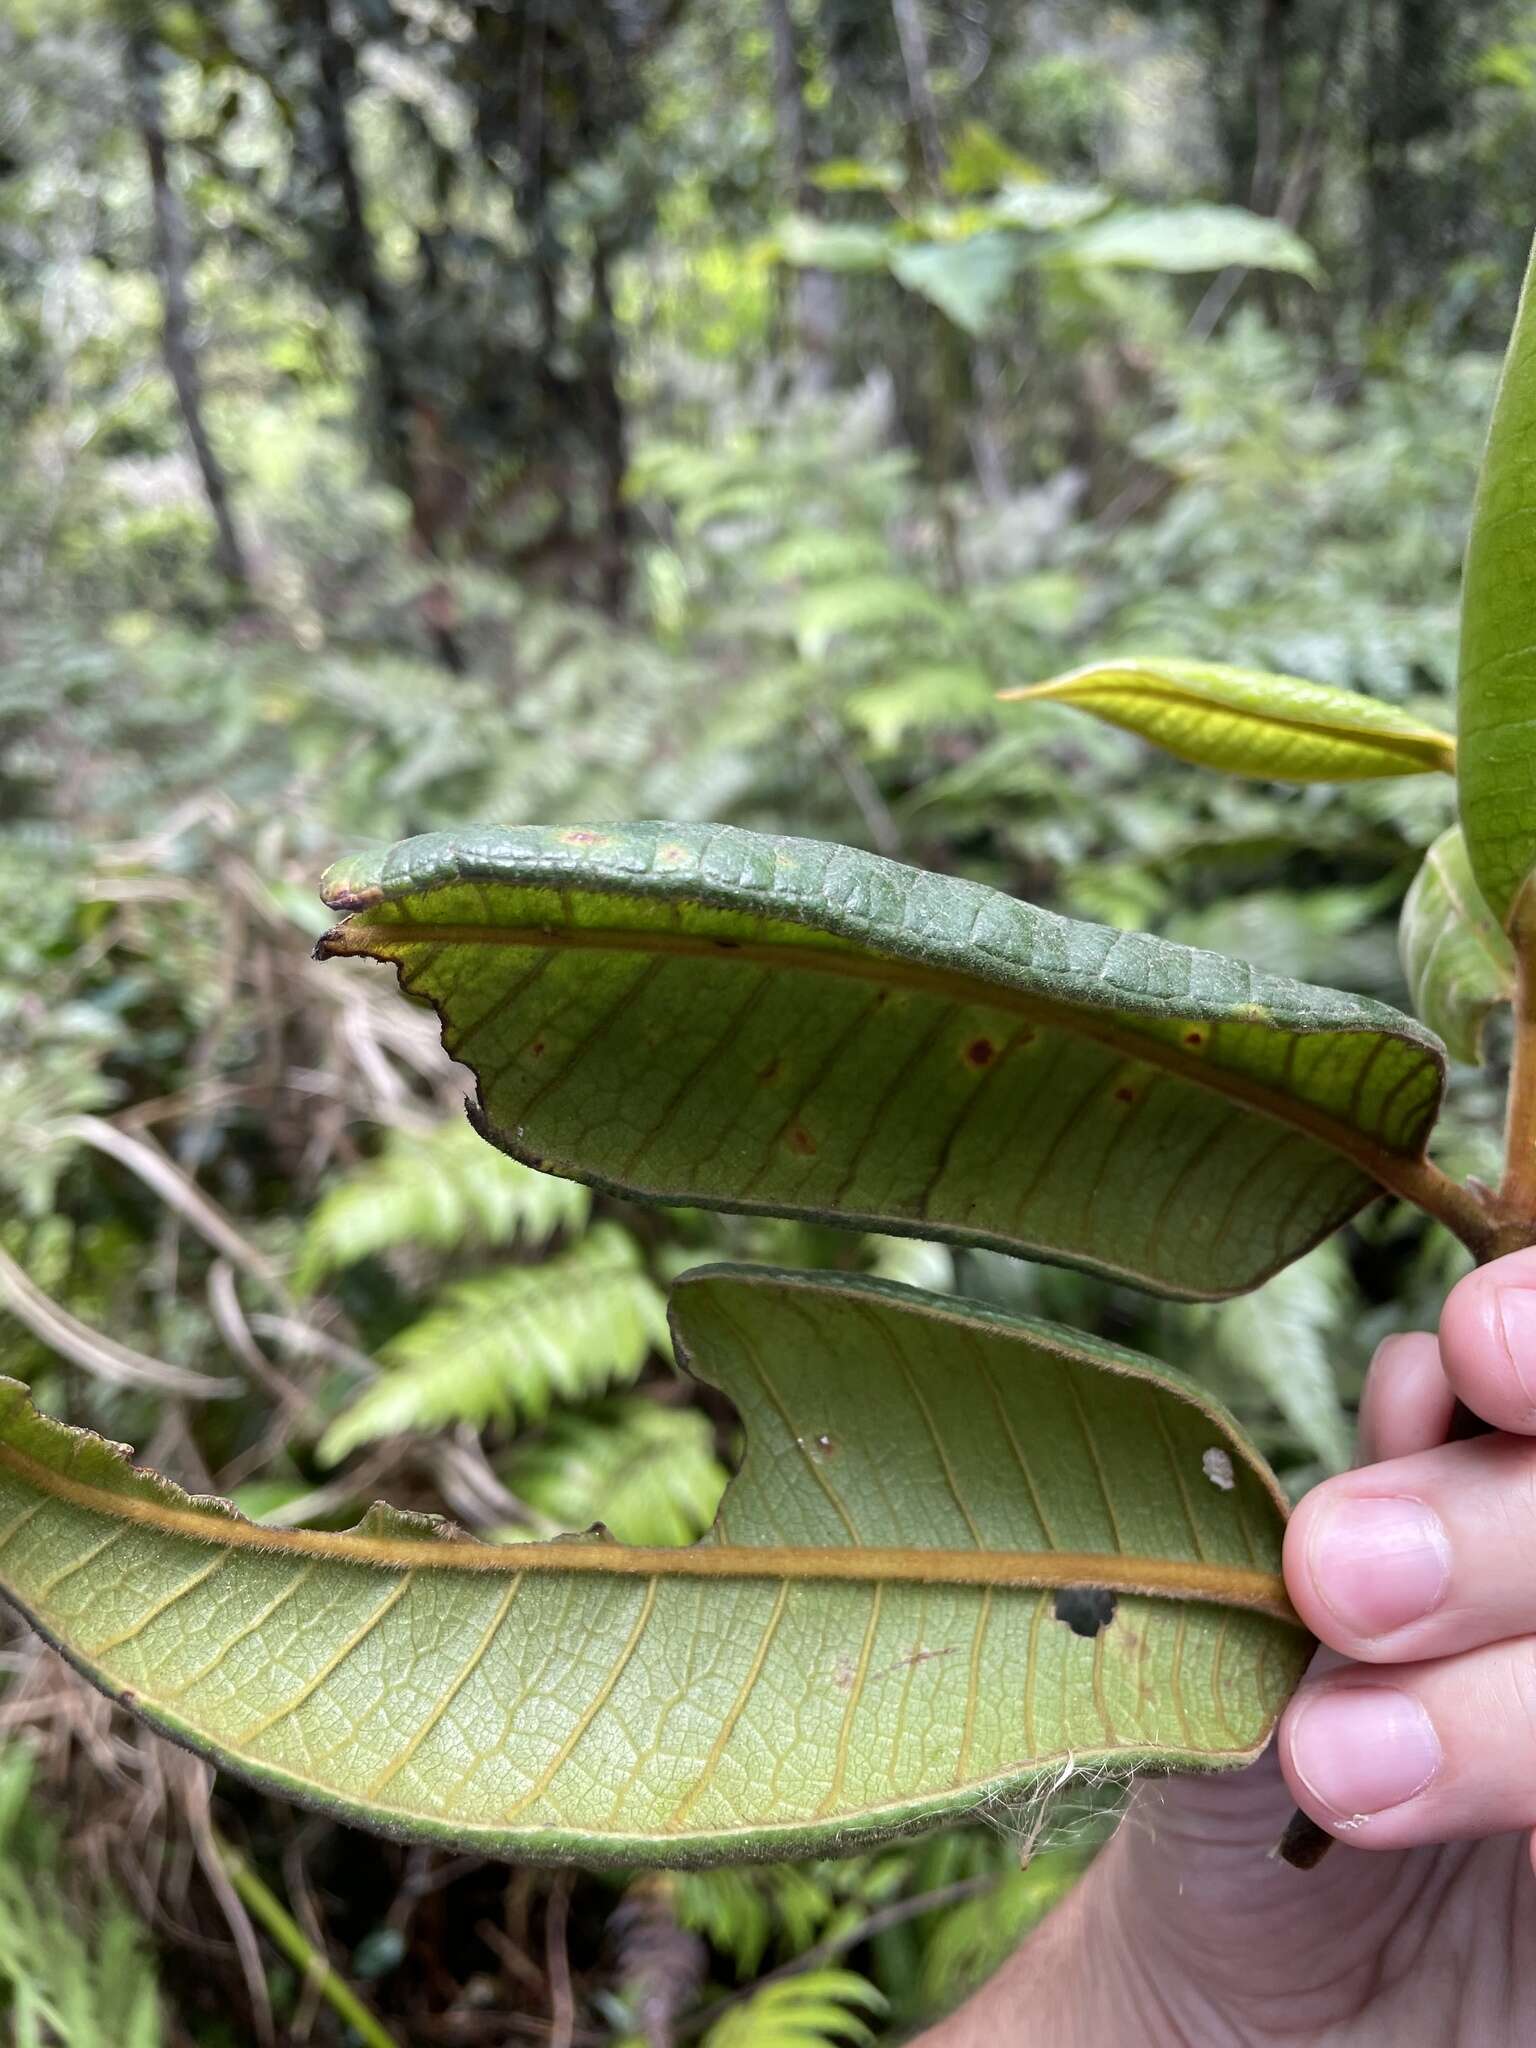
pixel 1412 1740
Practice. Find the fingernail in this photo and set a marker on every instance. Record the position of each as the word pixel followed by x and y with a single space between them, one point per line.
pixel 1379 1562
pixel 1361 1749
pixel 1517 1314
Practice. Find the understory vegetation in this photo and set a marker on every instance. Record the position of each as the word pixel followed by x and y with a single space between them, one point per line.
pixel 416 414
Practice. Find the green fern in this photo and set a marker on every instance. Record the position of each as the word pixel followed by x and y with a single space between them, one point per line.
pixel 77 1980
pixel 1281 1338
pixel 648 1471
pixel 975 1937
pixel 510 1343
pixel 443 1189
pixel 807 2011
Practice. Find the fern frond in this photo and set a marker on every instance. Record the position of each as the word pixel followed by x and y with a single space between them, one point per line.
pixel 511 1343
pixel 807 2011
pixel 443 1189
pixel 975 1937
pixel 1279 1336
pixel 80 1980
pixel 648 1471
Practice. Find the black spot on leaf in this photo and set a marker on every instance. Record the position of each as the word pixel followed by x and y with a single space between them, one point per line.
pixel 1085 1609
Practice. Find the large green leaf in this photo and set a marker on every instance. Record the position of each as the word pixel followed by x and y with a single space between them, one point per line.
pixel 967 280
pixel 1458 962
pixel 700 1014
pixel 1496 697
pixel 1187 238
pixel 1247 723
pixel 1051 1552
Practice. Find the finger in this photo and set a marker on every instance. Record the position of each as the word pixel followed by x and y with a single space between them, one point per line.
pixel 1488 1342
pixel 1407 1402
pixel 1435 1752
pixel 1422 1557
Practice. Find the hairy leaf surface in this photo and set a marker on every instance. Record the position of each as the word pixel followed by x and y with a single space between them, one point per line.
pixel 1277 727
pixel 700 1014
pixel 1496 693
pixel 1051 1552
pixel 1458 962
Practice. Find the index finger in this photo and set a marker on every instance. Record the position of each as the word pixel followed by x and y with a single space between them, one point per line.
pixel 1488 1342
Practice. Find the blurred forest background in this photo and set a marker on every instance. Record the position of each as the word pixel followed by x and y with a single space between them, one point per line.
pixel 417 411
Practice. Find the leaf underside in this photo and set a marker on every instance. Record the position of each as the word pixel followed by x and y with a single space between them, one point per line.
pixel 1457 961
pixel 1278 728
pixel 875 1633
pixel 1496 691
pixel 706 1015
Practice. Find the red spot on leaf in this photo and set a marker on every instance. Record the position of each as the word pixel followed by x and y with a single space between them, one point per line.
pixel 801 1141
pixel 1125 1095
pixel 980 1052
pixel 1195 1038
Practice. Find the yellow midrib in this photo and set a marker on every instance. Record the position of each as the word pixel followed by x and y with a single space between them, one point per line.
pixel 1428 744
pixel 1390 1166
pixel 1158 1577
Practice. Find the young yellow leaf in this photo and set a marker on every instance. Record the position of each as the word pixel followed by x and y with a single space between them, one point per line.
pixel 1279 728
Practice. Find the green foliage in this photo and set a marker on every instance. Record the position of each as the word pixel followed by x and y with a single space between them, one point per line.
pixel 856 508
pixel 512 1342
pixel 73 1973
pixel 1498 632
pixel 648 1472
pixel 439 1188
pixel 813 2008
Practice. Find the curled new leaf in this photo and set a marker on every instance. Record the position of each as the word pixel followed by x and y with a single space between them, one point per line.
pixel 1277 727
pixel 1458 963
pixel 1051 1553
pixel 1496 695
pixel 704 1015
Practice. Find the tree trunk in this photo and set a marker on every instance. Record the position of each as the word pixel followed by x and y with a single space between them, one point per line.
pixel 612 439
pixel 815 297
pixel 403 424
pixel 170 264
pixel 913 38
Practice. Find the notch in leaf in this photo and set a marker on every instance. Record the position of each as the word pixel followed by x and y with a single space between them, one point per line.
pixel 705 1015
pixel 836 1660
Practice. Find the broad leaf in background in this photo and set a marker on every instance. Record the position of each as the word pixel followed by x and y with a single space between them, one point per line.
pixel 706 1015
pixel 1457 961
pixel 1276 727
pixel 1043 208
pixel 512 1342
pixel 1187 238
pixel 968 280
pixel 1496 694
pixel 1280 1339
pixel 829 245
pixel 1080 1566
